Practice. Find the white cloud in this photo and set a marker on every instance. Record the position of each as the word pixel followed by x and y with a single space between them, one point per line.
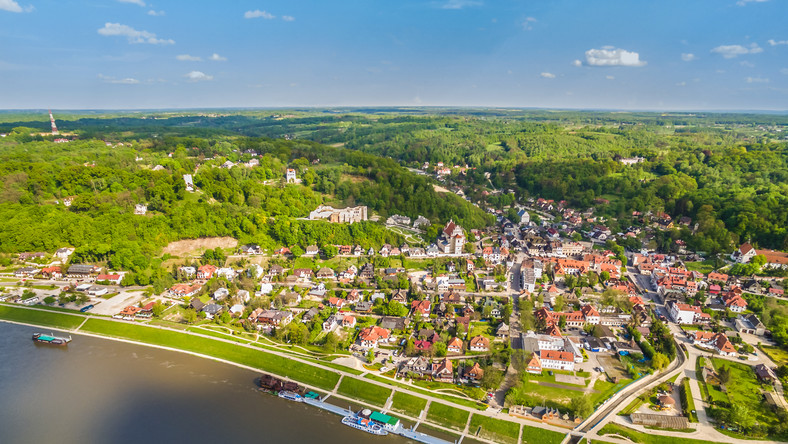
pixel 188 58
pixel 756 80
pixel 288 18
pixel 610 56
pixel 12 6
pixel 528 23
pixel 196 76
pixel 156 13
pixel 133 35
pixel 136 2
pixel 744 2
pixel 610 77
pixel 731 51
pixel 217 58
pixel 547 75
pixel 577 63
pixel 688 56
pixel 747 64
pixel 459 4
pixel 773 42
pixel 126 81
pixel 258 13
pixel 681 84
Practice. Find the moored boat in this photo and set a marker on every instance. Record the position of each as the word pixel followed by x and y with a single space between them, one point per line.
pixel 365 425
pixel 50 339
pixel 292 396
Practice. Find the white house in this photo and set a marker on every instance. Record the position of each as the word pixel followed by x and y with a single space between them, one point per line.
pixel 557 360
pixel 683 313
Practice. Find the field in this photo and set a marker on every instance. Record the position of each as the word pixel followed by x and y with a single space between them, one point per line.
pixel 494 429
pixel 449 416
pixel 644 438
pixel 235 353
pixel 187 246
pixel 48 318
pixel 778 355
pixel 746 390
pixel 704 267
pixel 455 400
pixel 408 404
pixel 536 435
pixel 373 394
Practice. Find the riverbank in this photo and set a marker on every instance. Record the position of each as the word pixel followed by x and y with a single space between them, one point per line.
pixel 254 358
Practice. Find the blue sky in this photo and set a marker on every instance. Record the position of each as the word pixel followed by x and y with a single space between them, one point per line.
pixel 665 55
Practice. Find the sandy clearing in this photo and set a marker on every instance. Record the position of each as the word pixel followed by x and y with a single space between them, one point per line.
pixel 182 247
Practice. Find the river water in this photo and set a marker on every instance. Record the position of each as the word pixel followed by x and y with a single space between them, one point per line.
pixel 102 391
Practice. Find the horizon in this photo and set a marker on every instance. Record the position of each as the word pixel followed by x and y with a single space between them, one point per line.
pixel 706 56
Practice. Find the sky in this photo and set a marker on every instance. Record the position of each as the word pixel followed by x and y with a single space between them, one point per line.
pixel 630 55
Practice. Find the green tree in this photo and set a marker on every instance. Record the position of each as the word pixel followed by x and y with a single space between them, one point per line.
pixel 189 316
pixel 581 406
pixel 659 361
pixel 158 308
pixel 439 349
pixel 330 251
pixel 331 342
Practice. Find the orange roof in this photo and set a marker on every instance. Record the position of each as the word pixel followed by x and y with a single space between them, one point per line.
pixel 480 341
pixel 556 355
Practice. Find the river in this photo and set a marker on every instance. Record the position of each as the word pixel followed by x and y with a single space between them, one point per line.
pixel 102 391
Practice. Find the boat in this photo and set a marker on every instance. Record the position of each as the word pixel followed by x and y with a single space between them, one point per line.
pixel 292 396
pixel 50 339
pixel 365 425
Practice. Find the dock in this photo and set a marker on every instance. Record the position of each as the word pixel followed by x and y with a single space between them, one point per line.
pixel 408 433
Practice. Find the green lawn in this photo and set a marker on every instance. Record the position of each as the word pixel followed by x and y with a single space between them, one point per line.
pixel 47 318
pixel 455 400
pixel 607 389
pixel 448 416
pixel 494 429
pixel 743 389
pixel 258 359
pixel 373 394
pixel 704 267
pixel 685 386
pixel 536 435
pixel 777 354
pixel 408 404
pixel 644 438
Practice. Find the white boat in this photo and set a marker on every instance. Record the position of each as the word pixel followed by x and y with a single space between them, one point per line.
pixel 291 396
pixel 363 424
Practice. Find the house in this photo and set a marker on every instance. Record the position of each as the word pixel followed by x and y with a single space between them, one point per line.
pixel 750 324
pixel 400 296
pixel 326 273
pixel 185 290
pixel 52 272
pixel 423 307
pixel 443 371
pixel 274 318
pixel 454 345
pixel 479 344
pixel 367 271
pixel 744 253
pixel 26 272
pixel 129 313
pixel 310 314
pixel 81 271
pixel 364 306
pixel 290 176
pixel 221 294
pixel 211 310
pixel 418 365
pixel 683 313
pixel 336 302
pixel 140 209
pixel 111 278
pixel 734 302
pixel 348 321
pixel 312 250
pixel 331 323
pixel 502 332
pixel 765 373
pixel 276 270
pixel 226 272
pixel 718 342
pixel 370 337
pixel 96 290
pixel 251 249
pixel 188 271
pixel 394 323
pixel 474 373
pixel 303 274
pixel 206 272
pixel 197 304
pixel 534 365
pixel 557 360
pixel 64 253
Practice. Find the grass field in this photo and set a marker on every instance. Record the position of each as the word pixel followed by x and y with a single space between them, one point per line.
pixel 494 429
pixel 48 318
pixel 408 404
pixel 690 407
pixel 744 389
pixel 455 400
pixel 536 435
pixel 704 267
pixel 373 394
pixel 235 353
pixel 778 355
pixel 448 416
pixel 644 438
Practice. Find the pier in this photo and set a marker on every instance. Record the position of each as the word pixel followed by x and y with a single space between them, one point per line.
pixel 408 433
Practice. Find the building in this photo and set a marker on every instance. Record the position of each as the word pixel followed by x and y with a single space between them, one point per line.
pixel 111 278
pixel 343 215
pixel 187 179
pixel 370 337
pixel 290 176
pixel 750 324
pixel 557 360
pixel 479 344
pixel 443 371
pixel 206 271
pixel 81 271
pixel 718 342
pixel 140 209
pixel 683 313
pixel 451 239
